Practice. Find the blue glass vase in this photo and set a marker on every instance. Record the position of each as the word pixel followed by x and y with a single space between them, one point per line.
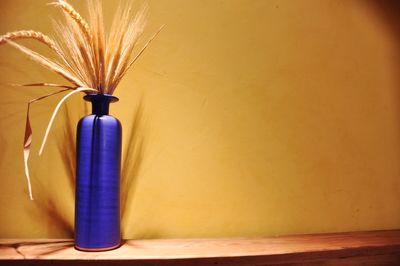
pixel 97 199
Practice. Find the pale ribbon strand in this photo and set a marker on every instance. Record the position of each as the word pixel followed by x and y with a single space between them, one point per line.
pixel 56 111
pixel 28 179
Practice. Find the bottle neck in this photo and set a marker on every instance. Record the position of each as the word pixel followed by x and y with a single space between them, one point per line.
pixel 100 103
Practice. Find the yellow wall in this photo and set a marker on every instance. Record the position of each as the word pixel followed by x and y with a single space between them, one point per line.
pixel 250 118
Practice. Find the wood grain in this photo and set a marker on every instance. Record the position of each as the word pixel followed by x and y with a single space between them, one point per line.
pixel 354 248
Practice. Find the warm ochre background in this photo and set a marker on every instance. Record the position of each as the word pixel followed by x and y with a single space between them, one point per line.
pixel 243 118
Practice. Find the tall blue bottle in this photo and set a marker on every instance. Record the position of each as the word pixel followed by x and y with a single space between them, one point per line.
pixel 97 199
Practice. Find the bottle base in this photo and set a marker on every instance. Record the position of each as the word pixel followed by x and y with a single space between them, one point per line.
pixel 97 249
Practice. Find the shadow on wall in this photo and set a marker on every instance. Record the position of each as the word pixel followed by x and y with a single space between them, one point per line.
pixel 131 164
pixel 388 12
pixel 48 204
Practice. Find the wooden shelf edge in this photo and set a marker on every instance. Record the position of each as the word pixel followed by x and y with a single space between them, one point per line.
pixel 351 248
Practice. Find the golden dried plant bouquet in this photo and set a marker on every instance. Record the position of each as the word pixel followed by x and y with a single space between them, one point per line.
pixel 91 60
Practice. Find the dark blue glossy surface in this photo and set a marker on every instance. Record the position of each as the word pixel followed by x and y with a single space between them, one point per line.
pixel 97 206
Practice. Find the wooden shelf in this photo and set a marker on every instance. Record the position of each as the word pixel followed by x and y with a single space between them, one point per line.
pixel 354 248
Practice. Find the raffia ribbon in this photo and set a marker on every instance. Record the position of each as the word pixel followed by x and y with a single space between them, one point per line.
pixel 28 128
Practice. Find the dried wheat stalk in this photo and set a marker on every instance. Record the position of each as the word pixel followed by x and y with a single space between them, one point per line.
pixel 70 11
pixel 29 34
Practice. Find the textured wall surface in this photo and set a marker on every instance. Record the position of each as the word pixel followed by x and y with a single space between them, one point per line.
pixel 243 118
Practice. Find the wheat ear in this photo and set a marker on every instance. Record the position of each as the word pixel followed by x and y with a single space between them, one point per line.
pixel 70 10
pixel 29 34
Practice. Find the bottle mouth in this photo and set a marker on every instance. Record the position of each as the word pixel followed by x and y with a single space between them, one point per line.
pixel 100 97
